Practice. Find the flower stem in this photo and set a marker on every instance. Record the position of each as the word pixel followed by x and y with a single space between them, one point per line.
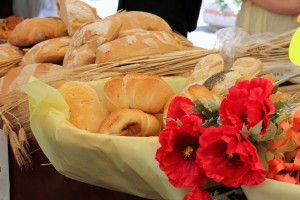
pixel 285 79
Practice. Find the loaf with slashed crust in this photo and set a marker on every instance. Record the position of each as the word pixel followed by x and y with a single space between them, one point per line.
pixel 146 92
pixel 139 44
pixel 141 20
pixel 20 75
pixel 34 30
pixel 75 13
pixel 87 38
pixel 49 51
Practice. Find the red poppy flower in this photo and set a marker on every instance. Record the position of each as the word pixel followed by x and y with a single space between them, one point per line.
pixel 197 193
pixel 229 157
pixel 177 154
pixel 181 106
pixel 248 103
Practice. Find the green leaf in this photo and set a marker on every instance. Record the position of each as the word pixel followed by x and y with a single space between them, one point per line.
pixel 255 130
pixel 269 135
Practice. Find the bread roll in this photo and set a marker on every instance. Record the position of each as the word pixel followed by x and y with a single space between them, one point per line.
pixel 130 122
pixel 220 83
pixel 86 110
pixel 205 68
pixel 200 92
pixel 34 30
pixel 49 51
pixel 75 13
pixel 87 38
pixel 146 92
pixel 248 66
pixel 20 75
pixel 141 20
pixel 7 25
pixel 141 43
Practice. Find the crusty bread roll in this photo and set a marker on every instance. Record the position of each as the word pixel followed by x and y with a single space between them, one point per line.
pixel 20 75
pixel 86 110
pixel 34 30
pixel 75 13
pixel 220 83
pixel 130 122
pixel 146 92
pixel 141 20
pixel 49 51
pixel 248 66
pixel 8 51
pixel 205 68
pixel 201 92
pixel 7 25
pixel 141 43
pixel 87 38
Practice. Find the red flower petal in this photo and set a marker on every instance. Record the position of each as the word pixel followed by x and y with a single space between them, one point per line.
pixel 228 157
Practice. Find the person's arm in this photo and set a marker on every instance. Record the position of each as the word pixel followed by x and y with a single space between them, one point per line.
pixel 286 7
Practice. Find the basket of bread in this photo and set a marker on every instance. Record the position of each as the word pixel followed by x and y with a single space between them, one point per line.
pixel 80 45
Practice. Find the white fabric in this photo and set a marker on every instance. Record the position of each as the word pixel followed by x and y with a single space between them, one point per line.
pixel 4 169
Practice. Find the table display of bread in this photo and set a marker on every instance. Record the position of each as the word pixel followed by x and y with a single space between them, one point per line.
pixel 112 77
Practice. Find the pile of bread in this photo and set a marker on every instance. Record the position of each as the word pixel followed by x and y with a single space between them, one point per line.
pixel 137 104
pixel 80 37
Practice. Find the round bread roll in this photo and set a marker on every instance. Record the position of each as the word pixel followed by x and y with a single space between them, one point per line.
pixel 49 51
pixel 34 30
pixel 141 20
pixel 130 122
pixel 205 68
pixel 87 38
pixel 201 92
pixel 20 75
pixel 138 44
pixel 146 92
pixel 86 110
pixel 248 66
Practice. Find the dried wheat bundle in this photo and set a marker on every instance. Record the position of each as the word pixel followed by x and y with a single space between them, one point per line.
pixel 7 64
pixel 14 105
pixel 274 49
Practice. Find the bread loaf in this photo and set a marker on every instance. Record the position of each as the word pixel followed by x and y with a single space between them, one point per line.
pixel 34 30
pixel 7 25
pixel 201 93
pixel 248 66
pixel 130 122
pixel 220 82
pixel 141 20
pixel 141 43
pixel 49 51
pixel 8 51
pixel 20 75
pixel 146 92
pixel 205 68
pixel 75 13
pixel 87 38
pixel 86 110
